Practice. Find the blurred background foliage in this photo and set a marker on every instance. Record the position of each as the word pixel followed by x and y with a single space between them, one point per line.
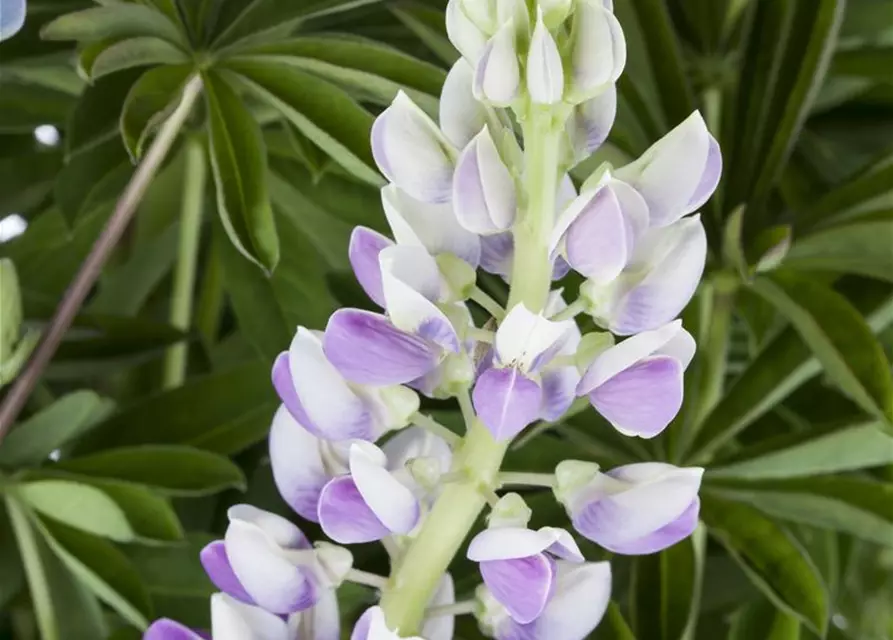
pixel 151 419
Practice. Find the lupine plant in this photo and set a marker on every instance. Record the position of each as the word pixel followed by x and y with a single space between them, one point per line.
pixel 487 188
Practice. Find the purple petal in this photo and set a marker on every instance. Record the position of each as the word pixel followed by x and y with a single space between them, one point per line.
pixel 710 177
pixel 220 571
pixel 643 399
pixel 560 268
pixel 365 245
pixel 497 252
pixel 285 388
pixel 165 629
pixel 523 585
pixel 506 401
pixel 592 121
pixel 367 349
pixel 363 625
pixel 344 515
pixel 597 242
pixel 665 537
pixel 559 387
pixel 298 468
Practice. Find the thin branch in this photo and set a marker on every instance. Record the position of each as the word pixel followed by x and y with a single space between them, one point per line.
pixel 90 269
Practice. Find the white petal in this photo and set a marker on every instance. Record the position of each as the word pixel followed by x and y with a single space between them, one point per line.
pixel 483 190
pixel 669 173
pixel 441 627
pixel 320 622
pixel 415 442
pixel 282 532
pixel 545 77
pixel 327 399
pixel 233 620
pixel 507 543
pixel 411 151
pixel 622 356
pixel 598 51
pixel 432 226
pixel 527 340
pixel 390 501
pixel 297 465
pixel 463 33
pixel 461 114
pixel 497 76
pixel 598 243
pixel 681 346
pixel 582 593
pixel 378 628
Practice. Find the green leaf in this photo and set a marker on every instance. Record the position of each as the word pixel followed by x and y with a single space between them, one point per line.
pixel 852 194
pixel 427 23
pixel 665 56
pixel 82 182
pixel 847 448
pixel 373 69
pixel 613 626
pixel 239 162
pixel 174 570
pixel 62 606
pixel 12 577
pixel 666 590
pixel 136 52
pixel 172 469
pixel 771 558
pixel 324 113
pixel 862 248
pixel 223 412
pixel 150 101
pixel 871 62
pixel 838 336
pixel 78 505
pixel 102 568
pixel 151 516
pixel 121 20
pixel 863 508
pixel 762 620
pixel 32 441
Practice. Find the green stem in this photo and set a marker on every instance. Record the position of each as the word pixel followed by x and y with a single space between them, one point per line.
pixel 210 300
pixel 433 426
pixel 192 206
pixel 365 578
pixel 527 479
pixel 480 456
pixel 487 303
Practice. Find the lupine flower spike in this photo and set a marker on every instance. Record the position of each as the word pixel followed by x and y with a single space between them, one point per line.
pixel 356 445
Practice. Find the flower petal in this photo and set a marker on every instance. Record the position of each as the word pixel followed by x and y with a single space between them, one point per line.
pixel 392 503
pixel 507 543
pixel 598 52
pixel 463 33
pixel 506 401
pixel 483 189
pixel 365 245
pixel 166 629
pixel 432 226
pixel 521 585
pixel 233 620
pixel 710 177
pixel 367 349
pixel 643 399
pixel 270 578
pixel 461 114
pixel 12 17
pixel 497 253
pixel 441 627
pixel 591 122
pixel 416 442
pixel 320 622
pixel 331 409
pixel 373 626
pixel 666 536
pixel 411 151
pixel 529 340
pixel 545 77
pixel 297 466
pixel 216 564
pixel 282 532
pixel 559 390
pixel 344 515
pixel 497 75
pixel 598 242
pixel 682 347
pixel 670 173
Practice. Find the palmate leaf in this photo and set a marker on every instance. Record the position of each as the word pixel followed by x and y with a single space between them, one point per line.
pixel 861 248
pixel 772 559
pixel 121 20
pixel 150 100
pixel 135 52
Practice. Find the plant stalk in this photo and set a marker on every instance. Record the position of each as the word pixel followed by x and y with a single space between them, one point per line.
pixel 90 269
pixel 192 206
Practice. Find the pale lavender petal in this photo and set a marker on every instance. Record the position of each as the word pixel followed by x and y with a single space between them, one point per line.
pixel 367 349
pixel 12 17
pixel 166 629
pixel 483 189
pixel 665 537
pixel 523 585
pixel 592 122
pixel 497 252
pixel 643 399
pixel 285 388
pixel 220 571
pixel 560 268
pixel 597 242
pixel 298 469
pixel 322 622
pixel 362 626
pixel 506 401
pixel 365 245
pixel 344 515
pixel 710 177
pixel 559 386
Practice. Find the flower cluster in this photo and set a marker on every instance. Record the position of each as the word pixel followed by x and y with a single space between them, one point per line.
pixel 349 446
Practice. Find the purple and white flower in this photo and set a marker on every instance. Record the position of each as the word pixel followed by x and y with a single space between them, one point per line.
pixel 637 385
pixel 508 395
pixel 545 76
pixel 520 565
pixel 329 406
pixel 580 599
pixel 461 115
pixel 560 381
pixel 497 74
pixel 589 125
pixel 598 51
pixel 483 188
pixel 635 509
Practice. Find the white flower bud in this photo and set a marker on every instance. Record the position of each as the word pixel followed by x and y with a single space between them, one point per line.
pixel 545 77
pixel 483 190
pixel 598 50
pixel 497 77
pixel 463 33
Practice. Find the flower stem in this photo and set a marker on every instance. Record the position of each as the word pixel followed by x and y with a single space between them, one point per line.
pixel 481 335
pixel 90 269
pixel 184 278
pixel 364 577
pixel 457 509
pixel 461 608
pixel 430 424
pixel 571 311
pixel 488 303
pixel 527 479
